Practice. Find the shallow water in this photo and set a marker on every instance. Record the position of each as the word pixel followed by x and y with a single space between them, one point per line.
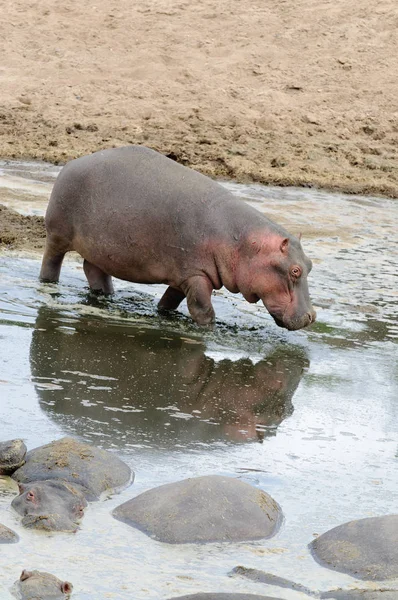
pixel 309 416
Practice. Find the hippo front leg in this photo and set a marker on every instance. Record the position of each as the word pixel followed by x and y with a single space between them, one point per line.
pixel 171 299
pixel 198 292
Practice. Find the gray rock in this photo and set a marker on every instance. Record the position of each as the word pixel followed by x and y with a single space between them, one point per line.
pixel 203 509
pixel 8 536
pixel 89 469
pixel 339 594
pixel 271 579
pixel 38 585
pixel 12 456
pixel 366 549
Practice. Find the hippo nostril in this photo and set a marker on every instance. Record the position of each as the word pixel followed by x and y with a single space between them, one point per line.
pixel 311 316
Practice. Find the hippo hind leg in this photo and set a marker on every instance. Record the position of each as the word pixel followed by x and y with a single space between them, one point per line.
pixel 56 248
pixel 98 280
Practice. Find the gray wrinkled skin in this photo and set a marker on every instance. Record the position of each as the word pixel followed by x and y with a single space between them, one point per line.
pixel 38 585
pixel 50 505
pixel 89 469
pixel 366 549
pixel 8 536
pixel 224 597
pixel 12 456
pixel 203 509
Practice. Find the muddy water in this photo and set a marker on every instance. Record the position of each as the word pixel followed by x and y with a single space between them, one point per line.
pixel 310 416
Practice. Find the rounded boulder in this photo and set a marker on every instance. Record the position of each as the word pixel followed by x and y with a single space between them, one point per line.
pixel 89 469
pixel 366 549
pixel 7 536
pixel 12 456
pixel 216 596
pixel 203 509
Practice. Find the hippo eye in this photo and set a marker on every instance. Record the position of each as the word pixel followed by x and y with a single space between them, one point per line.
pixel 295 272
pixel 30 496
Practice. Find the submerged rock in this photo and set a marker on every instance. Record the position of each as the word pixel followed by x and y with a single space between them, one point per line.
pixel 203 509
pixel 12 456
pixel 38 585
pixel 381 594
pixel 8 536
pixel 366 549
pixel 270 579
pixel 339 594
pixel 216 596
pixel 89 469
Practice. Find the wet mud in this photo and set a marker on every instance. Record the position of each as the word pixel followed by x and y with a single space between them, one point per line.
pixel 21 232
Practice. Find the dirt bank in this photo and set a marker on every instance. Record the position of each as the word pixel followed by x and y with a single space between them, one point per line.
pixel 19 232
pixel 284 91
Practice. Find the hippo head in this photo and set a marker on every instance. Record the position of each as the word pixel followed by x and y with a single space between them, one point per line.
pixel 37 584
pixel 274 268
pixel 50 505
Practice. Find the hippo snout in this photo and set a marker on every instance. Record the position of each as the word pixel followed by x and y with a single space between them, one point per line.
pixel 294 323
pixel 46 522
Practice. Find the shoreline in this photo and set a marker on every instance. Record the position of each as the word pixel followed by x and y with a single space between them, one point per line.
pixel 282 93
pixel 220 167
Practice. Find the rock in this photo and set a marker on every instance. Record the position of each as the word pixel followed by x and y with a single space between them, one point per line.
pixel 203 509
pixel 8 536
pixel 339 594
pixel 216 596
pixel 270 579
pixel 366 549
pixel 89 469
pixel 12 456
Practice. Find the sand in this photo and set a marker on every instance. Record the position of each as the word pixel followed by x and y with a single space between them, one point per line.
pixel 299 92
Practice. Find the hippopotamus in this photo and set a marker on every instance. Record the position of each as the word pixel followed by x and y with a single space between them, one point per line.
pixel 12 456
pixel 366 549
pixel 58 479
pixel 38 585
pixel 203 509
pixel 137 215
pixel 50 505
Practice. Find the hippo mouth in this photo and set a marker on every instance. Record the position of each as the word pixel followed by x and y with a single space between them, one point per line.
pixel 50 522
pixel 295 324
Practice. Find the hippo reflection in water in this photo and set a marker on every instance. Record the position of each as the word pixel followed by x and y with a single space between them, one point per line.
pixel 156 386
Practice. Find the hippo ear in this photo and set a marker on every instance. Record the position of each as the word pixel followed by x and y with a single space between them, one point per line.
pixel 284 246
pixel 300 236
pixel 66 587
pixel 25 575
pixel 21 488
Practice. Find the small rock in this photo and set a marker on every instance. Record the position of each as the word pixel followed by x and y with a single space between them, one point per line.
pixel 8 536
pixel 12 456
